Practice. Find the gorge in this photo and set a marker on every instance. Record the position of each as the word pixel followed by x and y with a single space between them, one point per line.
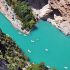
pixel 44 44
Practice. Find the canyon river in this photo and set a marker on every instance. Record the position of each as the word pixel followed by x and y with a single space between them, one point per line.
pixel 45 44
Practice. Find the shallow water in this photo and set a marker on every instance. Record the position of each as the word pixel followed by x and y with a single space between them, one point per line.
pixel 45 37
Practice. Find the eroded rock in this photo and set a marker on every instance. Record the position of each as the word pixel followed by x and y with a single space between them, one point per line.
pixel 58 11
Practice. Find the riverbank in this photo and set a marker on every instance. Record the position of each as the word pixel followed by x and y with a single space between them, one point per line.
pixel 13 58
pixel 12 54
pixel 11 16
pixel 47 35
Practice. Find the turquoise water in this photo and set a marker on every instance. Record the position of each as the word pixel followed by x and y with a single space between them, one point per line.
pixel 45 37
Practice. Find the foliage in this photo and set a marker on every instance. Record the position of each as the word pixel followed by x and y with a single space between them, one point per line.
pixel 24 13
pixel 40 66
pixel 11 53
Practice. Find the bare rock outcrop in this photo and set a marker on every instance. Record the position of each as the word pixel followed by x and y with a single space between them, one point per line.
pixel 56 11
pixel 63 6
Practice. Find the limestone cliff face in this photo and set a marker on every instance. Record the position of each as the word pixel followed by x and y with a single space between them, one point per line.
pixel 58 9
pixel 63 6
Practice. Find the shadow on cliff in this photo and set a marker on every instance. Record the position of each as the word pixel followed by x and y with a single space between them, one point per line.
pixel 56 12
pixel 37 4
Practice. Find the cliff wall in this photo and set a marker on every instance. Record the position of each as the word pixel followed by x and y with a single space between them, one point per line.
pixel 56 11
pixel 63 6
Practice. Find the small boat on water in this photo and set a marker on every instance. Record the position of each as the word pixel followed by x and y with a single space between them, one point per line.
pixel 29 51
pixel 48 66
pixel 46 50
pixel 65 67
pixel 32 41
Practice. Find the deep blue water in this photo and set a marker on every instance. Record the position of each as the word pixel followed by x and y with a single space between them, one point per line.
pixel 45 37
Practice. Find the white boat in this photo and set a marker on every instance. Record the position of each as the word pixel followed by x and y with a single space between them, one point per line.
pixel 48 66
pixel 46 50
pixel 29 51
pixel 32 41
pixel 65 67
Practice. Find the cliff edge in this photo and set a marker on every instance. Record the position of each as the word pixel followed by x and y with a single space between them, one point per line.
pixel 55 11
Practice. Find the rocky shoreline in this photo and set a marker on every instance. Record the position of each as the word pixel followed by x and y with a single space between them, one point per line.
pixel 11 54
pixel 57 13
pixel 12 57
pixel 11 16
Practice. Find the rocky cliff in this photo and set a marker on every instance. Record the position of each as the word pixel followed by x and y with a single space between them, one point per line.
pixel 63 7
pixel 56 11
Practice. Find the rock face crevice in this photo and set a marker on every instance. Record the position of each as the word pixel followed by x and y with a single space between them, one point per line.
pixel 63 6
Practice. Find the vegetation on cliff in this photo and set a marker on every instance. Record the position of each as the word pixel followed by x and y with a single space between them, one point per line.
pixel 10 52
pixel 23 12
pixel 40 66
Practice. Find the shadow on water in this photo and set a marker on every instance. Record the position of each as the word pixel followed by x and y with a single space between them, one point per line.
pixel 34 28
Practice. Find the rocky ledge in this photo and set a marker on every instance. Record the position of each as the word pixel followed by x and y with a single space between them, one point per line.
pixel 57 12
